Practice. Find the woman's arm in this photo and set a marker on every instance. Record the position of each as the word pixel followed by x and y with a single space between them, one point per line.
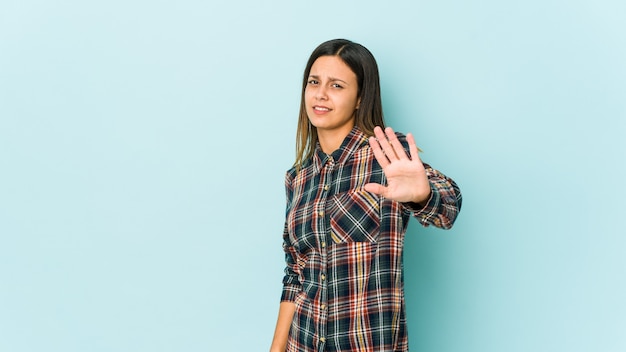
pixel 291 284
pixel 285 316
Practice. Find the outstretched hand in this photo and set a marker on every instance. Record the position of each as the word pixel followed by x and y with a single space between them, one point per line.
pixel 406 176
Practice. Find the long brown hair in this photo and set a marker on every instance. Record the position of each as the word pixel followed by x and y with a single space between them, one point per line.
pixel 370 111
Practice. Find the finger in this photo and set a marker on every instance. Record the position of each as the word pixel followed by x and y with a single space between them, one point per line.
pixel 375 188
pixel 413 147
pixel 395 143
pixel 378 152
pixel 378 132
pixel 384 144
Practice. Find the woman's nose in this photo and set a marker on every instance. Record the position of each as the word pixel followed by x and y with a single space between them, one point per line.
pixel 321 93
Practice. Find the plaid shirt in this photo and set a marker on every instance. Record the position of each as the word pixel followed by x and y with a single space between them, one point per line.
pixel 343 250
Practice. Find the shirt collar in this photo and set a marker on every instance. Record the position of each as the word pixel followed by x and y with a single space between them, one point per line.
pixel 353 141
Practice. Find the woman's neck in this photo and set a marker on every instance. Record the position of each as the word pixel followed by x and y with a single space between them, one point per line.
pixel 330 140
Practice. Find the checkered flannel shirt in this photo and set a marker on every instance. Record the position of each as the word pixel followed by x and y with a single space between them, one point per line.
pixel 343 250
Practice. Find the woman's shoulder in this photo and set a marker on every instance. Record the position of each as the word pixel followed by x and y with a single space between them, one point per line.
pixel 401 137
pixel 292 172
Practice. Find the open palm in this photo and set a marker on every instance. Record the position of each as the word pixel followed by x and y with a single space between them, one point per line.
pixel 406 177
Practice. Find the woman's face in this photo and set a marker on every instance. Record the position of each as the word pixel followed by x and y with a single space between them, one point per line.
pixel 331 95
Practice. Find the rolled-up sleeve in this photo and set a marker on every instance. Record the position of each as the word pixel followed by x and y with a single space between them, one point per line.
pixel 291 283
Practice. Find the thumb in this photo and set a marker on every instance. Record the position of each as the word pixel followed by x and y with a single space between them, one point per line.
pixel 375 188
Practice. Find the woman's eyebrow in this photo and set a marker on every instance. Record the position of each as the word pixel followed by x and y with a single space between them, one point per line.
pixel 332 79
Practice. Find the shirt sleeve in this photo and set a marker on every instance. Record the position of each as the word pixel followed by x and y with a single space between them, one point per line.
pixel 291 282
pixel 444 203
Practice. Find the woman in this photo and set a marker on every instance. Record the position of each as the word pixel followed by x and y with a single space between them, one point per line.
pixel 350 194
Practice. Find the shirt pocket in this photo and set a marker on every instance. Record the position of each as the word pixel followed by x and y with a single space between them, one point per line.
pixel 354 217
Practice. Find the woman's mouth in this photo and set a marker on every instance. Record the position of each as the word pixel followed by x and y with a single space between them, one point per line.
pixel 321 109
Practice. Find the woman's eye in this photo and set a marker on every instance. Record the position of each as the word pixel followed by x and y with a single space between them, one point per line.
pixel 335 85
pixel 313 82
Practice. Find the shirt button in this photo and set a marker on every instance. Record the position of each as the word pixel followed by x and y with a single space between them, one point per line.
pixel 322 339
pixel 323 277
pixel 323 306
pixel 323 244
pixel 321 213
pixel 326 188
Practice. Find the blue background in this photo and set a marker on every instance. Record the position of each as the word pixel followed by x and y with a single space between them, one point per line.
pixel 143 146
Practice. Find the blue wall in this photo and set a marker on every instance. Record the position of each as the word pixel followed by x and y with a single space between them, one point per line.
pixel 143 146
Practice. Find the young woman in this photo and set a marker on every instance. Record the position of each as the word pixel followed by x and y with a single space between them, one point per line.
pixel 350 195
